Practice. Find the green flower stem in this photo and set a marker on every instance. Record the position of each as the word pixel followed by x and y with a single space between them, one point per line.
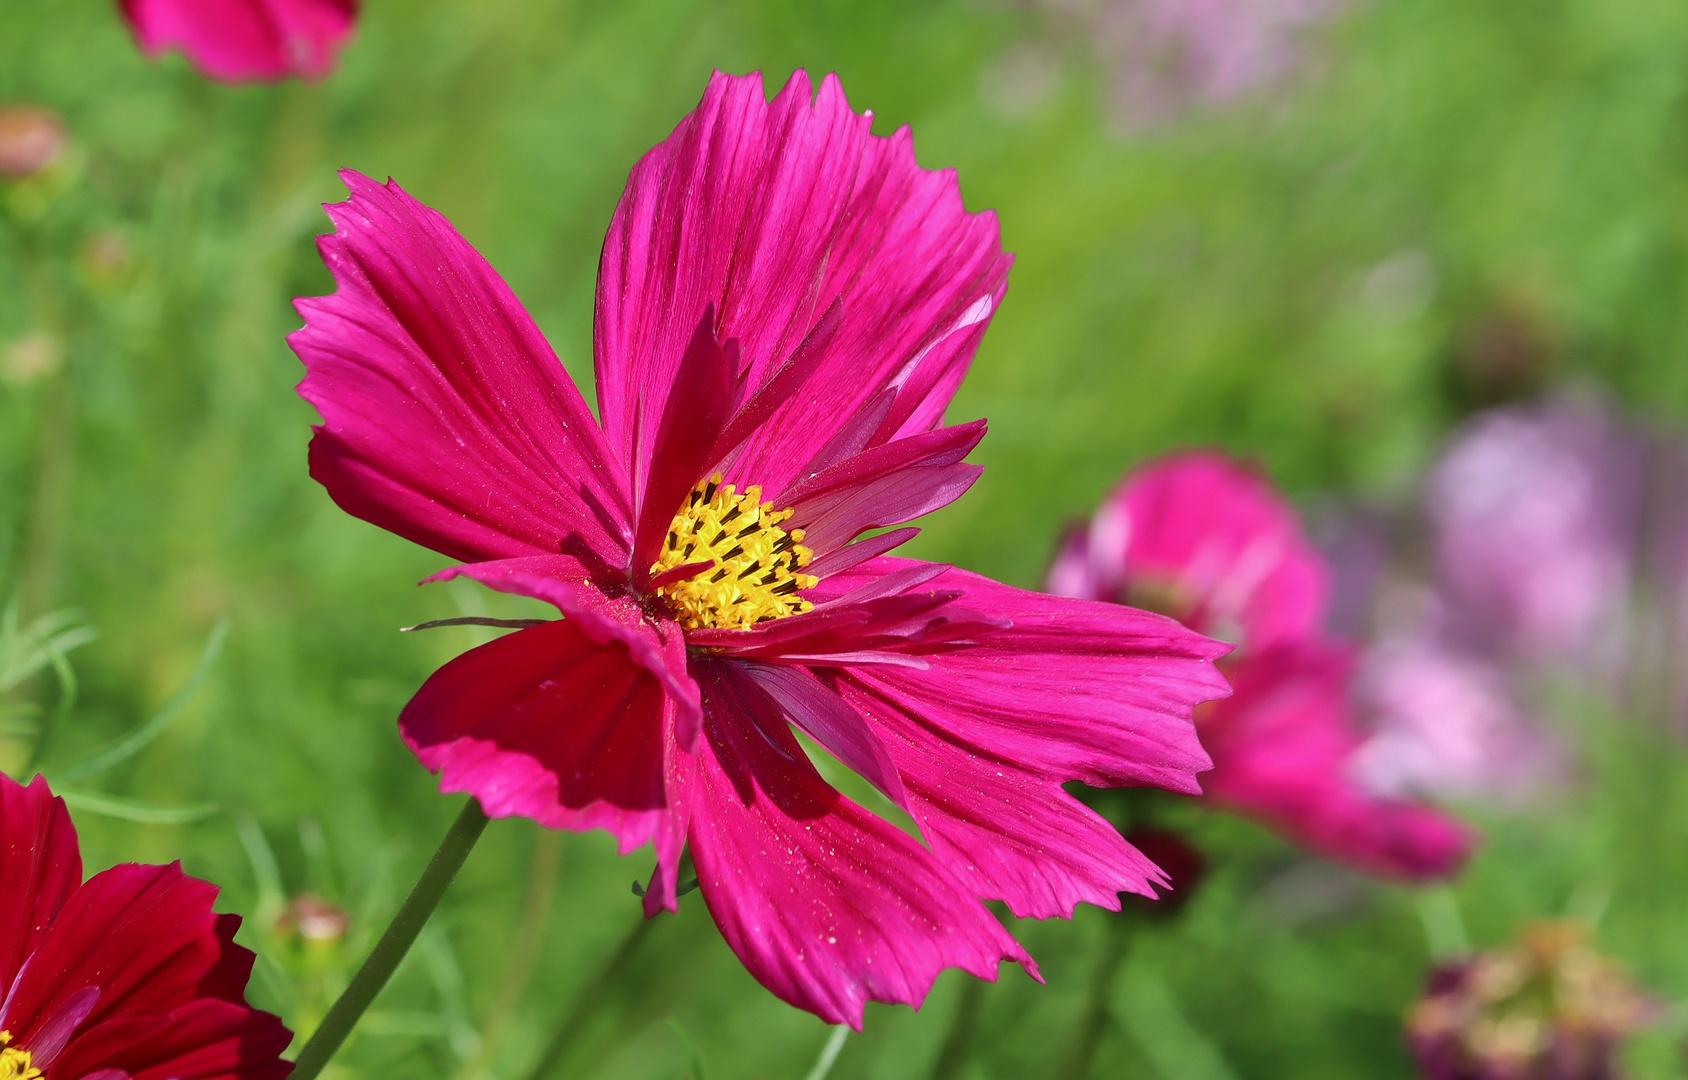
pixel 401 934
pixel 587 1001
pixel 1082 1052
pixel 958 1044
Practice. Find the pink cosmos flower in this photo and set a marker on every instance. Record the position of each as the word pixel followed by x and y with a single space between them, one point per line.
pixel 246 40
pixel 786 304
pixel 126 976
pixel 1207 540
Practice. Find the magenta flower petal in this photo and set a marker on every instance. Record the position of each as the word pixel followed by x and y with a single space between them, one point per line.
pixel 553 725
pixel 246 40
pixel 446 416
pixel 1011 833
pixel 1207 540
pixel 1076 690
pixel 205 1040
pixel 565 582
pixel 827 905
pixel 1284 745
pixel 775 212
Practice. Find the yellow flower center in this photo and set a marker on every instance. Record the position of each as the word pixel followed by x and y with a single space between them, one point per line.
pixel 756 563
pixel 14 1063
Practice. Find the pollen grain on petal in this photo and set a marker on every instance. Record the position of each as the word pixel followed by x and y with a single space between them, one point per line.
pixel 756 574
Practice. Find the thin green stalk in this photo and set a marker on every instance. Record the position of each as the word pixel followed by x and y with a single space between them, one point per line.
pixel 587 1001
pixel 523 954
pixel 829 1053
pixel 1082 1053
pixel 400 935
pixel 958 1044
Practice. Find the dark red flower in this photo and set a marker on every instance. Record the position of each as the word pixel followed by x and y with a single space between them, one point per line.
pixel 127 976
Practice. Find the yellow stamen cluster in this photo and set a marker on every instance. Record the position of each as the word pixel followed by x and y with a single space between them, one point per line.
pixel 756 573
pixel 14 1063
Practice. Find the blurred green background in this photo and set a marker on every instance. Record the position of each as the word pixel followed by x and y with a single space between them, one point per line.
pixel 1458 199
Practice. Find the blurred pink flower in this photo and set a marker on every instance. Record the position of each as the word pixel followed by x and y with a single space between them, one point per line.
pixel 1447 723
pixel 1207 540
pixel 786 305
pixel 1283 749
pixel 1202 538
pixel 246 40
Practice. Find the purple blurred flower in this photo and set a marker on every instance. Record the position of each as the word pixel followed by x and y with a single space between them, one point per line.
pixel 1447 723
pixel 1537 513
pixel 1167 56
pixel 1536 518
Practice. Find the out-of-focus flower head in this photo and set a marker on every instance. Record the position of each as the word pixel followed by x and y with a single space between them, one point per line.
pixel 129 973
pixel 1448 723
pixel 239 41
pixel 1181 861
pixel 1166 56
pixel 30 358
pixel 1548 1007
pixel 1536 511
pixel 313 919
pixel 32 139
pixel 786 305
pixel 1207 540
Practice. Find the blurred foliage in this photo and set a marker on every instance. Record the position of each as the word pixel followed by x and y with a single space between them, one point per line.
pixel 1463 198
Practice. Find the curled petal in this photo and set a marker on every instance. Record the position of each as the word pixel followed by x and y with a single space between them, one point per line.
pixel 827 905
pixel 550 724
pixel 658 647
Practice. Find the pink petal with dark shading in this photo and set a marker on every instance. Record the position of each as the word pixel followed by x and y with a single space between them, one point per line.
pixel 203 1040
pixel 447 418
pixel 1284 745
pixel 658 647
pixel 827 905
pixel 150 958
pixel 1071 689
pixel 774 212
pixel 246 40
pixel 1012 834
pixel 550 724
